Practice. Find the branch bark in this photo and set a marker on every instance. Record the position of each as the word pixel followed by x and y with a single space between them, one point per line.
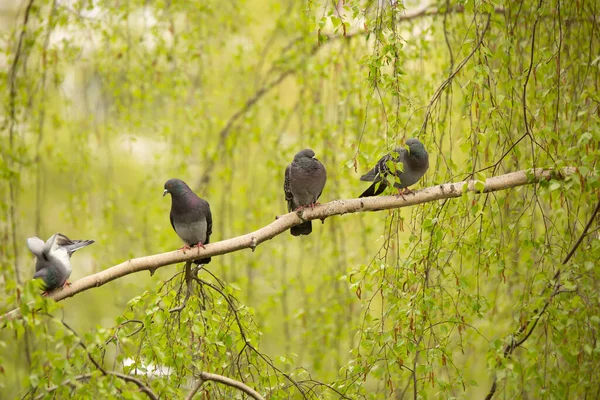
pixel 285 222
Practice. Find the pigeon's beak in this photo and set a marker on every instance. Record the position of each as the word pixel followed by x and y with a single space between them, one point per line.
pixel 165 192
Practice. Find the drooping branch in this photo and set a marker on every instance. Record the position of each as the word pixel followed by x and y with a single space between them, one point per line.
pixel 526 329
pixel 207 376
pixel 285 222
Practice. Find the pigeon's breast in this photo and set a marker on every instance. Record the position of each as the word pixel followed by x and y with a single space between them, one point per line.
pixel 414 169
pixel 191 232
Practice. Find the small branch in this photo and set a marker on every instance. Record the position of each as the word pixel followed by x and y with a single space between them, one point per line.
pixel 64 383
pixel 207 376
pixel 141 385
pixel 583 234
pixel 285 222
pixel 196 387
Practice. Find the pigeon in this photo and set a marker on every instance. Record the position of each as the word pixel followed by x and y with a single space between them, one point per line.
pixel 53 264
pixel 415 162
pixel 190 216
pixel 304 181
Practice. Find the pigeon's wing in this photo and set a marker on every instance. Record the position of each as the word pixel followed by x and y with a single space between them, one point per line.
pixel 322 177
pixel 380 169
pixel 76 245
pixel 208 223
pixel 289 197
pixel 55 250
pixel 375 189
pixel 61 240
pixel 172 224
pixel 36 246
pixel 70 245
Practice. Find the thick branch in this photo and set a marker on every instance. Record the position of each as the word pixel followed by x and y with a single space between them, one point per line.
pixel 285 222
pixel 207 376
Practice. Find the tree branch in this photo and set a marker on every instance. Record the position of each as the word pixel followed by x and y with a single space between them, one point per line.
pixel 207 376
pixel 285 222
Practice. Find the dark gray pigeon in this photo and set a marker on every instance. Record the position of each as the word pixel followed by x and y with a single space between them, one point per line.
pixel 304 182
pixel 53 264
pixel 190 216
pixel 415 162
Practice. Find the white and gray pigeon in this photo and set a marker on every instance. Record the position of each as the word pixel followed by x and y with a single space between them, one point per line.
pixel 53 259
pixel 190 216
pixel 304 182
pixel 415 162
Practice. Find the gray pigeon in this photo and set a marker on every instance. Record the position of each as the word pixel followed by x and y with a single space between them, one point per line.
pixel 53 264
pixel 415 162
pixel 190 216
pixel 304 182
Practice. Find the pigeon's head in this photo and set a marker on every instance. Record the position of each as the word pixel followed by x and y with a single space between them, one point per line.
pixel 175 187
pixel 415 147
pixel 306 153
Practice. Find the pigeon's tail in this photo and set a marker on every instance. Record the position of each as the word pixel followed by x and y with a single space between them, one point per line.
pixel 375 189
pixel 202 261
pixel 302 229
pixel 77 244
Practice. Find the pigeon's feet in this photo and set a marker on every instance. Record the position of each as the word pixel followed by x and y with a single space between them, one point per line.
pixel 313 205
pixel 184 248
pixel 200 245
pixel 402 192
pixel 67 283
pixel 299 208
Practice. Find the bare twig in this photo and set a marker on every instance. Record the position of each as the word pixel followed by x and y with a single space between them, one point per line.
pixel 285 222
